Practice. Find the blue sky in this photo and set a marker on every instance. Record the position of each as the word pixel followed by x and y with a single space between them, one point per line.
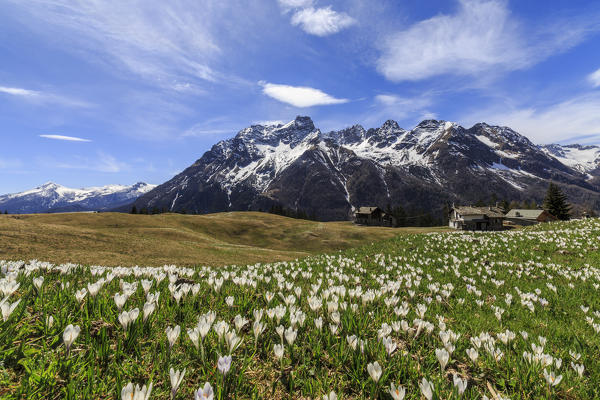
pixel 149 86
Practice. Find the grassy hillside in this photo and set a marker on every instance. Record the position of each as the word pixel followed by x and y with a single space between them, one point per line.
pixel 214 239
pixel 497 315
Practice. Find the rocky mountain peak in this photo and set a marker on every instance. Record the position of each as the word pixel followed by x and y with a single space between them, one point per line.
pixel 390 125
pixel 49 186
pixel 297 167
pixel 291 133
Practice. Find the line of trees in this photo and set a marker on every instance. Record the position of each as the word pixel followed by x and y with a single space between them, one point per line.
pixel 278 209
pixel 416 217
pixel 155 210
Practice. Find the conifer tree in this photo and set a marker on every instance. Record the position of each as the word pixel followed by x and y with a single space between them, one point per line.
pixel 556 203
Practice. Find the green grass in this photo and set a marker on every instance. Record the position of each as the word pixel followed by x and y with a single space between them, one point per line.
pixel 462 279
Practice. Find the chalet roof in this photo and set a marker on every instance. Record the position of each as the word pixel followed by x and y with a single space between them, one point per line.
pixel 366 210
pixel 490 212
pixel 526 214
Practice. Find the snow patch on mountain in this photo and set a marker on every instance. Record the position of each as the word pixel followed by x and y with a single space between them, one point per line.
pixel 581 158
pixel 52 195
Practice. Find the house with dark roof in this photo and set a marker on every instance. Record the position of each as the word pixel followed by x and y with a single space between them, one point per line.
pixel 374 216
pixel 469 218
pixel 528 217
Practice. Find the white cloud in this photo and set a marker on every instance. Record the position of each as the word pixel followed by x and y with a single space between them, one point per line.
pixel 101 163
pixel 299 96
pixel 37 97
pixel 269 122
pixel 161 41
pixel 322 21
pixel 290 4
pixel 108 163
pixel 568 121
pixel 594 78
pixel 19 92
pixel 67 138
pixel 481 37
pixel 401 108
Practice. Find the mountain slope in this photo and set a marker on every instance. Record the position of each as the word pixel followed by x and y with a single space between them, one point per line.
pixel 51 197
pixel 327 175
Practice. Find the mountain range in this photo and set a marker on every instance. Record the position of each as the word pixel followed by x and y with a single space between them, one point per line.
pixel 51 197
pixel 328 175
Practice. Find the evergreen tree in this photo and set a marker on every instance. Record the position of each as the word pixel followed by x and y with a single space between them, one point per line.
pixel 505 206
pixel 533 205
pixel 134 210
pixel 5 212
pixel 556 203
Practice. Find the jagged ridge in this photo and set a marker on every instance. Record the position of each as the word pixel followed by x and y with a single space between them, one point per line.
pixel 52 197
pixel 329 174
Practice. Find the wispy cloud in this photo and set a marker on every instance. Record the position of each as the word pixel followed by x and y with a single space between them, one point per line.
pixel 401 108
pixel 563 121
pixel 160 41
pixel 201 131
pixel 322 21
pixel 269 122
pixel 19 92
pixel 299 96
pixel 66 138
pixel 102 162
pixel 10 163
pixel 594 78
pixel 38 97
pixel 287 5
pixel 482 36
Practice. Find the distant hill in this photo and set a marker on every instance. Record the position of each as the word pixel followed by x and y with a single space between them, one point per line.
pixel 52 197
pixel 328 175
pixel 213 239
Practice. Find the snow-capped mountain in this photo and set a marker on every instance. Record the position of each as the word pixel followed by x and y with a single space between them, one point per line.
pixel 296 166
pixel 51 197
pixel 583 158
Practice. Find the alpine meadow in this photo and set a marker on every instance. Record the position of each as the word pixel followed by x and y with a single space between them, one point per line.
pixel 300 200
pixel 440 315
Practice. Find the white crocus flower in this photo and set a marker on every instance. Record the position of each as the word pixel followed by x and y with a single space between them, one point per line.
pixel 176 379
pixel 397 392
pixel 427 388
pixel 443 356
pixel 330 396
pixel 551 378
pixel 374 370
pixel 148 310
pixel 194 336
pixel 70 334
pixel 278 349
pixel 38 282
pixel 205 393
pixel 138 393
pixel 459 383
pixel 290 335
pixel 173 334
pixel 8 308
pixel 80 294
pixel 224 364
